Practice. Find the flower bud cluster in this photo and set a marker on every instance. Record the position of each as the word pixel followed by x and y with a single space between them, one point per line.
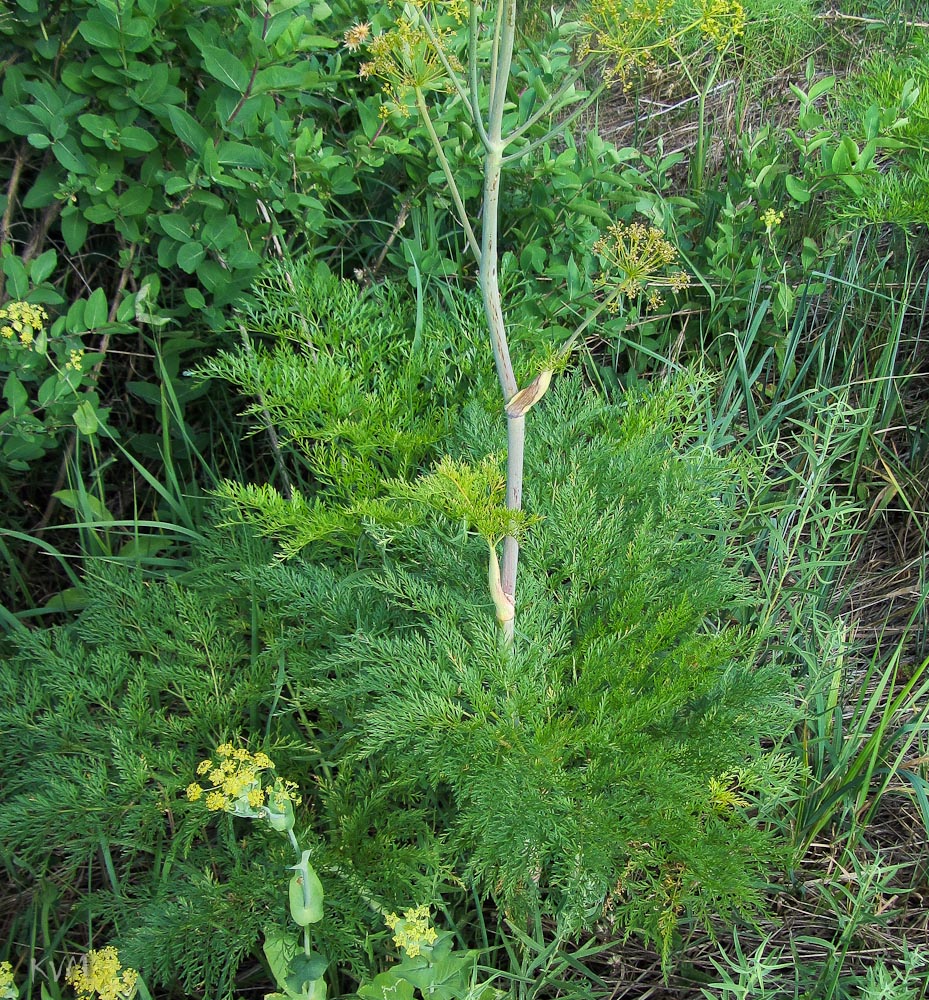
pixel 22 320
pixel 240 782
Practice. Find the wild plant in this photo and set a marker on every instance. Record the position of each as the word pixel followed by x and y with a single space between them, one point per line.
pixel 235 781
pixel 434 48
pixel 98 974
pixel 584 765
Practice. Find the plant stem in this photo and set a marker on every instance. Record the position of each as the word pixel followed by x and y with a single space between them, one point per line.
pixel 474 97
pixel 306 930
pixel 449 176
pixel 490 290
pixel 702 93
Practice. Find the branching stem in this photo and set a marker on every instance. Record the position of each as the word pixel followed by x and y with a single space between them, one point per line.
pixel 449 176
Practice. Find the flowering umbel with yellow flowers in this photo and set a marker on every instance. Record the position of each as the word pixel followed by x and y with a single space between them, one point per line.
pixel 8 990
pixel 100 975
pixel 412 931
pixel 237 781
pixel 407 59
pixel 243 783
pixel 638 259
pixel 631 33
pixel 22 321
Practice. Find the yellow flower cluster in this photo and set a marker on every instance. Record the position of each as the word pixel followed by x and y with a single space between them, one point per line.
pixel 406 58
pixel 771 218
pixel 76 361
pixel 631 33
pixel 22 320
pixel 722 21
pixel 239 783
pixel 412 931
pixel 627 32
pixel 101 975
pixel 637 258
pixel 7 984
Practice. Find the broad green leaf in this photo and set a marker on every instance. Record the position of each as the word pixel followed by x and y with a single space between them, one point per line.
pixel 74 320
pixel 241 155
pixel 135 138
pixel 97 125
pixel 43 266
pixel 176 226
pixel 52 389
pixel 68 601
pixel 69 156
pixel 533 258
pixel 220 231
pixel 386 986
pixel 82 501
pixel 152 88
pixel 85 419
pixel 98 35
pixel 226 68
pixel 14 392
pixel 95 310
pixel 305 970
pixel 187 129
pixel 73 228
pixel 42 192
pixel 19 120
pixel 210 162
pixel 175 184
pixel 136 200
pixel 279 948
pixel 852 183
pixel 99 214
pixel 189 256
pixel 16 276
pixel 821 87
pixel 797 189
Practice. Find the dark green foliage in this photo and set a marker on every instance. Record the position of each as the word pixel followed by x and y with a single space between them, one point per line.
pixel 359 385
pixel 610 765
pixel 155 155
pixel 611 756
pixel 110 716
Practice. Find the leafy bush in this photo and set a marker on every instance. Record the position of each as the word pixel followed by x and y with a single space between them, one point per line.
pixel 609 764
pixel 358 385
pixel 158 154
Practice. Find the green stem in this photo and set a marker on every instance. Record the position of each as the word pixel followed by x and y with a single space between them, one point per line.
pixel 490 290
pixel 449 176
pixel 568 346
pixel 550 105
pixel 473 29
pixel 505 35
pixel 446 65
pixel 559 128
pixel 495 49
pixel 702 94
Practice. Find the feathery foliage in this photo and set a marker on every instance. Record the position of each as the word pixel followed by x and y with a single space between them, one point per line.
pixel 611 760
